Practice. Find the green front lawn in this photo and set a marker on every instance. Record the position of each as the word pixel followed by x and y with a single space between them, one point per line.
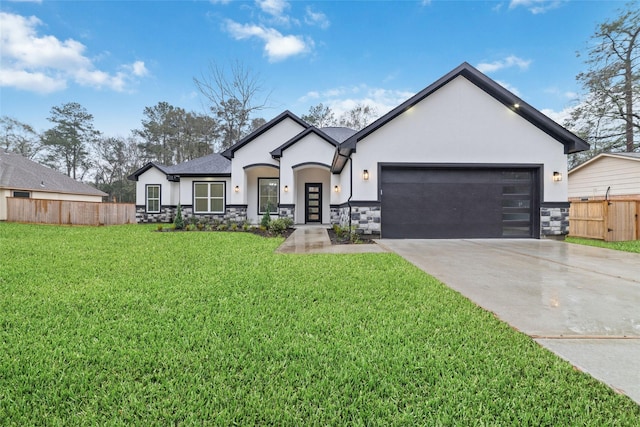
pixel 628 246
pixel 121 325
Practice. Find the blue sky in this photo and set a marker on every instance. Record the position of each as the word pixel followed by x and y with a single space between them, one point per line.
pixel 117 57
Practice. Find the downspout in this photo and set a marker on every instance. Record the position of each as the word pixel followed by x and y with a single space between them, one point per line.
pixel 350 189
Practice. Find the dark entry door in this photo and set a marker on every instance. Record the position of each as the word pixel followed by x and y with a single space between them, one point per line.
pixel 313 202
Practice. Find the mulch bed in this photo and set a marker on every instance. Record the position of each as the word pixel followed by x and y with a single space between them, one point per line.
pixel 257 231
pixel 344 240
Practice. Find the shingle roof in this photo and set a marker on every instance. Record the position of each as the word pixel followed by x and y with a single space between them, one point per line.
pixel 212 164
pixel 340 134
pixel 19 173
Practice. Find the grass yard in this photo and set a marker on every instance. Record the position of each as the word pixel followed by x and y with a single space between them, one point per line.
pixel 120 326
pixel 628 246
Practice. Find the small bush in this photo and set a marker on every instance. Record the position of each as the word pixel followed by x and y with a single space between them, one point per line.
pixel 246 226
pixel 234 227
pixel 288 222
pixel 178 222
pixel 159 227
pixel 277 226
pixel 222 227
pixel 266 218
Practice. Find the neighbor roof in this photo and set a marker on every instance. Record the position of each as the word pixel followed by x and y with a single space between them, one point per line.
pixel 19 173
pixel 572 143
pixel 624 156
pixel 210 165
pixel 229 153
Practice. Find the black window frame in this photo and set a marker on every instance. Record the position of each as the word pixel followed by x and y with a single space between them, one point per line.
pixel 146 198
pixel 277 187
pixel 209 197
pixel 21 194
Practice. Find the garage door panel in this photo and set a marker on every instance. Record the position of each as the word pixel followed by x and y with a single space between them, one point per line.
pixel 456 203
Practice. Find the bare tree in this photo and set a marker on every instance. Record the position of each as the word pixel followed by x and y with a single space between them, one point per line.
pixel 320 116
pixel 19 138
pixel 358 117
pixel 233 97
pixel 607 116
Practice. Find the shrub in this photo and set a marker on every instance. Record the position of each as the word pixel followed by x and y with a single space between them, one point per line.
pixel 159 227
pixel 246 226
pixel 266 218
pixel 222 227
pixel 178 222
pixel 234 227
pixel 288 222
pixel 277 226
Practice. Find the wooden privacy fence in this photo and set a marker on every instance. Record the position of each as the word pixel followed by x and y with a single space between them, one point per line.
pixel 69 212
pixel 608 220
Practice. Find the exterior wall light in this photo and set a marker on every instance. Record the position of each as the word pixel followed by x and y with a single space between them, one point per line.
pixel 236 189
pixel 336 189
pixel 557 177
pixel 286 188
pixel 365 175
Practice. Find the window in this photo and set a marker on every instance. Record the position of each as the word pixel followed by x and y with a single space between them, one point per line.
pixel 268 194
pixel 24 194
pixel 153 198
pixel 208 197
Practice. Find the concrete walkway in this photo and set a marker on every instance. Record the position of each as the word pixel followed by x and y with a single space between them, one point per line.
pixel 580 302
pixel 314 239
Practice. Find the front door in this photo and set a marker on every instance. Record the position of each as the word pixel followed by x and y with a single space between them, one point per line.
pixel 313 202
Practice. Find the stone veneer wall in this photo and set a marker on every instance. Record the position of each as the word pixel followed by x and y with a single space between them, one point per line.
pixel 234 214
pixel 287 211
pixel 554 221
pixel 166 214
pixel 364 219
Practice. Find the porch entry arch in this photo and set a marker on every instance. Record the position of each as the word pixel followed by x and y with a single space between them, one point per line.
pixel 312 183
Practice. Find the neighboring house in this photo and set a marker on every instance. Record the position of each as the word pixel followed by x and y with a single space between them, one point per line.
pixel 21 177
pixel 613 176
pixel 463 158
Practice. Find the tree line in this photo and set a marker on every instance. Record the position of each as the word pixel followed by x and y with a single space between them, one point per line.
pixel 607 117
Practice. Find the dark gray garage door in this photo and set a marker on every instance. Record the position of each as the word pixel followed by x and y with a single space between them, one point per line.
pixel 453 203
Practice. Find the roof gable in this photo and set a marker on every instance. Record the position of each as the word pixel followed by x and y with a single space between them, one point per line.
pixel 229 153
pixel 18 172
pixel 277 153
pixel 571 142
pixel 162 168
pixel 622 156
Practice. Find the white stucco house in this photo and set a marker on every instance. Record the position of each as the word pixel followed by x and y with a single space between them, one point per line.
pixel 463 158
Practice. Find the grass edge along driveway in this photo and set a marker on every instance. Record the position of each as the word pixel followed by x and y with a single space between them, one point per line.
pixel 121 325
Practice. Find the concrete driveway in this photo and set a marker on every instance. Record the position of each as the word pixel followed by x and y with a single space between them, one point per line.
pixel 580 302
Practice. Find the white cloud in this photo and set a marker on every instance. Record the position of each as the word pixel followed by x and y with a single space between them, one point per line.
pixel 316 18
pixel 536 6
pixel 46 64
pixel 558 116
pixel 138 68
pixel 273 7
pixel 277 46
pixel 508 62
pixel 343 99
